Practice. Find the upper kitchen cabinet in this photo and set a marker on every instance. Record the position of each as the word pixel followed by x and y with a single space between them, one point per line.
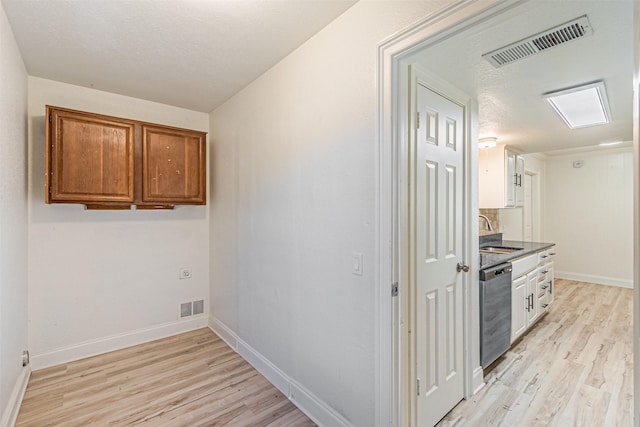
pixel 500 178
pixel 108 162
pixel 89 158
pixel 173 165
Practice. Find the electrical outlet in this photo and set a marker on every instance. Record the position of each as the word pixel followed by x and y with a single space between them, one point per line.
pixel 185 273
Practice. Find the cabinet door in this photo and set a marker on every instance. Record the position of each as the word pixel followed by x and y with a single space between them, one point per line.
pixel 519 305
pixel 89 158
pixel 173 166
pixel 519 181
pixel 533 310
pixel 510 179
pixel 550 282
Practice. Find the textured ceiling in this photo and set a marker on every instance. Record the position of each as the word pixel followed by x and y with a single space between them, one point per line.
pixel 194 54
pixel 510 102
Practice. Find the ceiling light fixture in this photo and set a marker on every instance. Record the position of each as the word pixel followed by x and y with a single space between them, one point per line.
pixel 488 142
pixel 608 144
pixel 581 106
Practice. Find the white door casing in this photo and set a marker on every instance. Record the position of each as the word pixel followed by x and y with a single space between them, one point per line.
pixel 392 353
pixel 437 236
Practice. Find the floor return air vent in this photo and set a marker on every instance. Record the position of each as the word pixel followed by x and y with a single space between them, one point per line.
pixel 561 34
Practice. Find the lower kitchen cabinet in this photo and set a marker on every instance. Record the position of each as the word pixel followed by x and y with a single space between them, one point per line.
pixel 531 291
pixel 524 303
pixel 518 304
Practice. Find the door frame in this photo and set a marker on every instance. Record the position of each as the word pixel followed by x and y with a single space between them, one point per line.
pixel 436 27
pixel 392 77
pixel 420 76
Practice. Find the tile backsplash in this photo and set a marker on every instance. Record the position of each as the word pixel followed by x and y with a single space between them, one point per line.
pixel 494 217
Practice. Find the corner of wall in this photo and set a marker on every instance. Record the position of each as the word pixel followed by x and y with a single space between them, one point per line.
pixel 10 414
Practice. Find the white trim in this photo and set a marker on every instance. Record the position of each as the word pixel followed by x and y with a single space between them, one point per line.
pixel 10 414
pixel 224 332
pixel 263 365
pixel 430 30
pixel 115 342
pixel 319 412
pixel 478 379
pixel 600 280
pixel 312 406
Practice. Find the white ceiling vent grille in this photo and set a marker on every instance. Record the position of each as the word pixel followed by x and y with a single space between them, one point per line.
pixel 569 31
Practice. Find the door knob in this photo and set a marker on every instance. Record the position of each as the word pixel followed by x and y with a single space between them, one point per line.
pixel 462 267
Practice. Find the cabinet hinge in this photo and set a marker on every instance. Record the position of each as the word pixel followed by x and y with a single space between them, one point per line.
pixel 418 387
pixel 394 289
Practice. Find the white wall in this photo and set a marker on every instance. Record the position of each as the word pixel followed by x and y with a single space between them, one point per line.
pixel 589 214
pixel 293 186
pixel 13 223
pixel 100 280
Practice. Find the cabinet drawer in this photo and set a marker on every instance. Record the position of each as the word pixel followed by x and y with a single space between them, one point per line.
pixel 524 265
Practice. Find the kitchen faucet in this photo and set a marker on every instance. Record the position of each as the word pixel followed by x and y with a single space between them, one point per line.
pixel 489 226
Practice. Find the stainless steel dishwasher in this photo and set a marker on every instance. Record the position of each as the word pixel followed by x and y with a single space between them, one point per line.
pixel 495 312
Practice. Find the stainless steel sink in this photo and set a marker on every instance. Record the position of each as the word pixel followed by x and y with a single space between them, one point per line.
pixel 498 249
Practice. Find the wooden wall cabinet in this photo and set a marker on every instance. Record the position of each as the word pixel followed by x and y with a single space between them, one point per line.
pixel 108 162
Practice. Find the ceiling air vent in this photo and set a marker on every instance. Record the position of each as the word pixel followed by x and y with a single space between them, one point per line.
pixel 572 30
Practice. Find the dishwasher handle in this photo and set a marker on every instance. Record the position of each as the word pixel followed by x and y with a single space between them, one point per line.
pixel 497 271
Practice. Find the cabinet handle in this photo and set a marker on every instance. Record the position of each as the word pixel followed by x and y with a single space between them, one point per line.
pixel 545 305
pixel 544 287
pixel 552 253
pixel 545 272
pixel 544 256
pixel 532 297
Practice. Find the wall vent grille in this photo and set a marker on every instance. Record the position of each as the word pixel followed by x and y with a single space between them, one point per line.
pixel 569 31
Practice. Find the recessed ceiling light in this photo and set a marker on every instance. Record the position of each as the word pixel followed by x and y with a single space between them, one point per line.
pixel 581 106
pixel 487 142
pixel 608 144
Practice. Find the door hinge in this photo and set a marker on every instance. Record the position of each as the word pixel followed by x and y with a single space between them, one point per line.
pixel 417 119
pixel 418 387
pixel 49 118
pixel 394 289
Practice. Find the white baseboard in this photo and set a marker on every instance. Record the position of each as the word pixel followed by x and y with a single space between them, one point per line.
pixel 115 342
pixel 478 379
pixel 224 332
pixel 312 406
pixel 10 414
pixel 316 409
pixel 600 280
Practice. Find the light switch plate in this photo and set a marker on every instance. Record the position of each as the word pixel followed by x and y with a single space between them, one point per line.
pixel 356 264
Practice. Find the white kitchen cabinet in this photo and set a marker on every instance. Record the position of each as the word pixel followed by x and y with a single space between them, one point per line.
pixel 525 308
pixel 546 280
pixel 533 309
pixel 500 178
pixel 518 307
pixel 518 184
pixel 531 289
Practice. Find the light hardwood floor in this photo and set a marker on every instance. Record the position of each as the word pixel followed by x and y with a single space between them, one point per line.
pixel 192 379
pixel 573 368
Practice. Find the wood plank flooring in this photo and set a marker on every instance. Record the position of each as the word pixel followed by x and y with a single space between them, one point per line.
pixel 192 379
pixel 573 368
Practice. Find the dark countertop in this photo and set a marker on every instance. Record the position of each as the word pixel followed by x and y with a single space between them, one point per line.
pixel 528 248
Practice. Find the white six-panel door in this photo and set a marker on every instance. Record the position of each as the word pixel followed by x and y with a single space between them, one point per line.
pixel 436 227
